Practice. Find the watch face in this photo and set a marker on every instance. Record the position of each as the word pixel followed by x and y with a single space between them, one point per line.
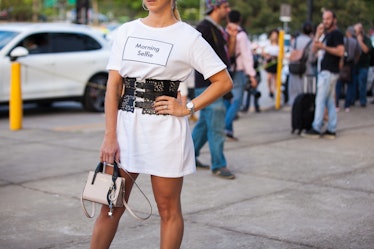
pixel 189 105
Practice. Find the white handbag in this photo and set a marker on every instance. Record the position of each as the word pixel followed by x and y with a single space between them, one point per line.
pixel 108 190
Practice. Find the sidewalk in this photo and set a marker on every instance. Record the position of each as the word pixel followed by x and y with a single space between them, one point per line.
pixel 290 192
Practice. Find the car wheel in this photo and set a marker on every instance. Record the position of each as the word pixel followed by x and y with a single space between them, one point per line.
pixel 94 95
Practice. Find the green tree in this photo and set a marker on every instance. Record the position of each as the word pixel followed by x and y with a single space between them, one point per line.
pixel 262 16
pixel 258 16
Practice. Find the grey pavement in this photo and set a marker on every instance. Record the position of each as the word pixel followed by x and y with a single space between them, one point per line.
pixel 290 192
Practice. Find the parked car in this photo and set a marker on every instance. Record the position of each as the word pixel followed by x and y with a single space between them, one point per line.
pixel 59 61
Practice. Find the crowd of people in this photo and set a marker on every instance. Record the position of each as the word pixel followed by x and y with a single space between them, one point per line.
pixel 327 52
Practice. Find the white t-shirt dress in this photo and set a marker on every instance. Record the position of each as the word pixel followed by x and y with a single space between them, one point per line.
pixel 159 145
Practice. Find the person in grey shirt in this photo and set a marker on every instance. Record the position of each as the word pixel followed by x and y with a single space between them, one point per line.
pixel 351 56
pixel 296 82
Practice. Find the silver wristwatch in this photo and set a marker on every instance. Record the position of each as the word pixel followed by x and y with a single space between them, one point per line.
pixel 190 107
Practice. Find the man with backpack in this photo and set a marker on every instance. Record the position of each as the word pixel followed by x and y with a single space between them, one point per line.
pixel 210 125
pixel 242 68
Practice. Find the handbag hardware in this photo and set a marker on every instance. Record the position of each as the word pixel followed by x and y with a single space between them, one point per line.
pixel 108 190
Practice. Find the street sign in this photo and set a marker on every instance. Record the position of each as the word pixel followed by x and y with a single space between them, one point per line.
pixel 285 13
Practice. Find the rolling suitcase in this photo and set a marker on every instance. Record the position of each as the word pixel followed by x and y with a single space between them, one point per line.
pixel 302 113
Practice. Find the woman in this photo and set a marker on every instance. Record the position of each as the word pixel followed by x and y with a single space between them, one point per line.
pixel 296 82
pixel 270 55
pixel 146 124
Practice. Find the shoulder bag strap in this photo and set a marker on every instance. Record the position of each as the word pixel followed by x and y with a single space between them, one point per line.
pixel 306 49
pixel 346 48
pixel 127 205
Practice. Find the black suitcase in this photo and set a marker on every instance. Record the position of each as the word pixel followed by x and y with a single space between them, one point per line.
pixel 302 113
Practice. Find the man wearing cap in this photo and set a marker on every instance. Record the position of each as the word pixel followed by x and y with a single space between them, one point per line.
pixel 211 123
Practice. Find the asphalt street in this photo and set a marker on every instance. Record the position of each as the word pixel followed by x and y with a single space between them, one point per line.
pixel 290 192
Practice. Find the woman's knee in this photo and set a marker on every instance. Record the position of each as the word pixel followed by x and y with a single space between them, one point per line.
pixel 169 208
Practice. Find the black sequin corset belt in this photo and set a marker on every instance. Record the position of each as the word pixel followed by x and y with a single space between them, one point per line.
pixel 148 91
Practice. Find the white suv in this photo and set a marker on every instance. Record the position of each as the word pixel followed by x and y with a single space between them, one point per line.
pixel 60 62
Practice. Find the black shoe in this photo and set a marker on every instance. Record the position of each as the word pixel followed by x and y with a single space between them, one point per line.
pixel 271 95
pixel 224 173
pixel 312 133
pixel 201 165
pixel 329 135
pixel 231 137
pixel 258 110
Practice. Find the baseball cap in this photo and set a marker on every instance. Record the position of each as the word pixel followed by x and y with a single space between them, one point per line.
pixel 210 4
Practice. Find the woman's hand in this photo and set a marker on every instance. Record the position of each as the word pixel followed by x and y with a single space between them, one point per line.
pixel 109 150
pixel 232 29
pixel 169 105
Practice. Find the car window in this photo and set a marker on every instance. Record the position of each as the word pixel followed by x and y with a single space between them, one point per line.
pixel 36 43
pixel 5 37
pixel 70 42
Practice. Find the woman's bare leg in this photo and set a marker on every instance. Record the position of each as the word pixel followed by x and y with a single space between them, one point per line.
pixel 167 192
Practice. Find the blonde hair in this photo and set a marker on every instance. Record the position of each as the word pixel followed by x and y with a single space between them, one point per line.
pixel 173 7
pixel 175 10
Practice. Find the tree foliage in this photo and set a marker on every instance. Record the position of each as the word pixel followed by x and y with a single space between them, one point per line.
pixel 258 16
pixel 262 16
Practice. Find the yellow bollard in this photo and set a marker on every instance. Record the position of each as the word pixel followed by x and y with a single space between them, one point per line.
pixel 15 98
pixel 279 70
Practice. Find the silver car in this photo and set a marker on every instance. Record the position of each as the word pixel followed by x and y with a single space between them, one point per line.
pixel 59 61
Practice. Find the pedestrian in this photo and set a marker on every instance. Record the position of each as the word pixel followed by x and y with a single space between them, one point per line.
pixel 210 126
pixel 363 64
pixel 329 42
pixel 147 128
pixel 349 60
pixel 243 70
pixel 250 90
pixel 270 54
pixel 296 81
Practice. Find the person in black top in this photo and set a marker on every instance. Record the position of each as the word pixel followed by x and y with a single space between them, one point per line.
pixel 211 123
